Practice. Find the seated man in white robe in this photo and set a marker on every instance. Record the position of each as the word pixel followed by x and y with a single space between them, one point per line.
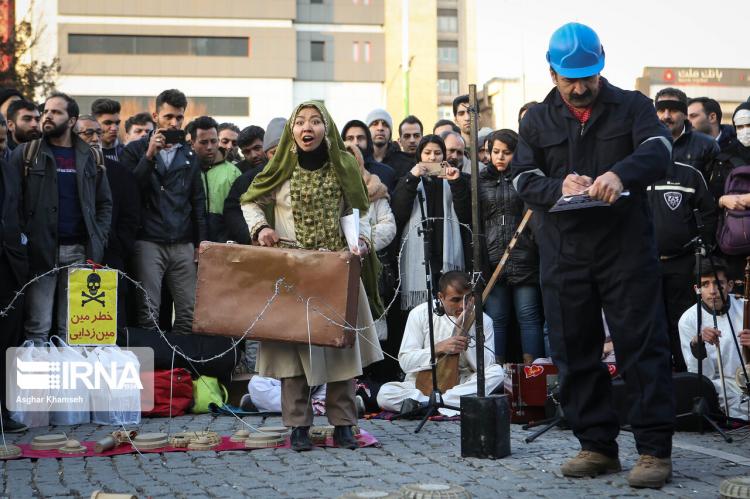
pixel 414 354
pixel 720 335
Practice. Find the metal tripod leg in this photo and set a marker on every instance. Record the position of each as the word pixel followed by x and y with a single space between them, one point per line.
pixel 553 422
pixel 715 426
pixel 433 406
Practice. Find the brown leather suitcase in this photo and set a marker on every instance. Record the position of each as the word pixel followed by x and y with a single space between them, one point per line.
pixel 235 282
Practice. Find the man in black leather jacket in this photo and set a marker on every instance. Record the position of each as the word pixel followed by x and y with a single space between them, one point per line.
pixel 173 215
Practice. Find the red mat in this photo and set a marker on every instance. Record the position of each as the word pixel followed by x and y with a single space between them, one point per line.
pixel 364 438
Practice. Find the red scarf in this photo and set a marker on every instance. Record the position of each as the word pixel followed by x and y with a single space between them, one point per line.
pixel 582 115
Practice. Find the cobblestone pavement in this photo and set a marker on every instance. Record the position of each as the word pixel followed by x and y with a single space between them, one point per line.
pixel 701 462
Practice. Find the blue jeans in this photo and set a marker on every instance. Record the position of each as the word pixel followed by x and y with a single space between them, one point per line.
pixel 42 294
pixel 527 302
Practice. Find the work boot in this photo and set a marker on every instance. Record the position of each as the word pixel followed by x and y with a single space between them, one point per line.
pixel 590 463
pixel 300 439
pixel 344 438
pixel 651 472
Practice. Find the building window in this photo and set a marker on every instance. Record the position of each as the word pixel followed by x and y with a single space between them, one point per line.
pixel 447 21
pixel 159 45
pixel 316 2
pixel 367 52
pixel 355 51
pixel 445 112
pixel 317 51
pixel 212 106
pixel 447 83
pixel 448 52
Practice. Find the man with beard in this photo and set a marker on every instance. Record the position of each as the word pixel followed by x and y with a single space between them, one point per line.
pixel 250 142
pixel 14 267
pixel 356 133
pixel 690 146
pixel 385 151
pixel 589 136
pixel 69 208
pixel 23 123
pixel 217 173
pixel 173 217
pixel 107 113
pixel 228 135
pixel 233 219
pixel 455 151
pixel 705 114
pixel 126 206
pixel 410 132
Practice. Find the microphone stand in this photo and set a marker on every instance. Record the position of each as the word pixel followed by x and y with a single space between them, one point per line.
pixel 436 396
pixel 700 405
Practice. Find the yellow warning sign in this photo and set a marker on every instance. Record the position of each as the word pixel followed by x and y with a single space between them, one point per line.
pixel 92 307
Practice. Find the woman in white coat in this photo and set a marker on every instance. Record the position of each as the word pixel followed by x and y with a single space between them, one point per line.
pixel 382 221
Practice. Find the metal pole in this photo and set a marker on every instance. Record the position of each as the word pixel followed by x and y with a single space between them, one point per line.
pixel 475 244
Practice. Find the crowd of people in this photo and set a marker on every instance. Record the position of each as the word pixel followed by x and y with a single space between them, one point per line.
pixel 158 187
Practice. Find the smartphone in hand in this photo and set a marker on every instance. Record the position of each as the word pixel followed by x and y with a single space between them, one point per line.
pixel 434 169
pixel 174 136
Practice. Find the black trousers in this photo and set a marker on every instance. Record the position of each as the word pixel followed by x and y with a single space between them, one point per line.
pixel 678 279
pixel 11 325
pixel 575 290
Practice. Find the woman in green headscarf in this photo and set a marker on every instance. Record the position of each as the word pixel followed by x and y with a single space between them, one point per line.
pixel 301 195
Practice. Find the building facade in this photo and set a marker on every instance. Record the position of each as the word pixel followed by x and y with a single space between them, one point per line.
pixel 244 62
pixel 430 56
pixel 729 86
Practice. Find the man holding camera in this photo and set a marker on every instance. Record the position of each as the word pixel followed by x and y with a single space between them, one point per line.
pixel 173 215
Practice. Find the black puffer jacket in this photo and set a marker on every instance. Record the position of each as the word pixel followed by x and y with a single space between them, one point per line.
pixel 501 211
pixel 695 149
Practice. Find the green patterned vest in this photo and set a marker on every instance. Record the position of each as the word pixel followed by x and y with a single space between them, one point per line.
pixel 316 205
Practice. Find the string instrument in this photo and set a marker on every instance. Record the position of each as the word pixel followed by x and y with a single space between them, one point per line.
pixel 447 365
pixel 742 372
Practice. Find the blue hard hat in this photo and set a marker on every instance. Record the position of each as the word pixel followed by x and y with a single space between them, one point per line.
pixel 575 51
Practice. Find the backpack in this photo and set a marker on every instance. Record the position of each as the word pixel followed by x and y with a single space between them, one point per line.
pixel 181 392
pixel 31 151
pixel 733 233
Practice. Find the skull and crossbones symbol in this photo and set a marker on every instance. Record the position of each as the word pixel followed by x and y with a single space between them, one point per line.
pixel 93 283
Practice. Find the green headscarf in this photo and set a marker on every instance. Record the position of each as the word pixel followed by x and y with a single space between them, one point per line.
pixel 283 163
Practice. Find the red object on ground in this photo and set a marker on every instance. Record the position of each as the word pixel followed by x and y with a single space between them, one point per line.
pixel 181 392
pixel 364 438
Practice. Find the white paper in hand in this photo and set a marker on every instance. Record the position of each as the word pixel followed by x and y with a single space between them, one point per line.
pixel 350 226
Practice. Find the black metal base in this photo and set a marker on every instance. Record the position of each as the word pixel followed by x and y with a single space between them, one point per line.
pixel 701 412
pixel 435 403
pixel 485 426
